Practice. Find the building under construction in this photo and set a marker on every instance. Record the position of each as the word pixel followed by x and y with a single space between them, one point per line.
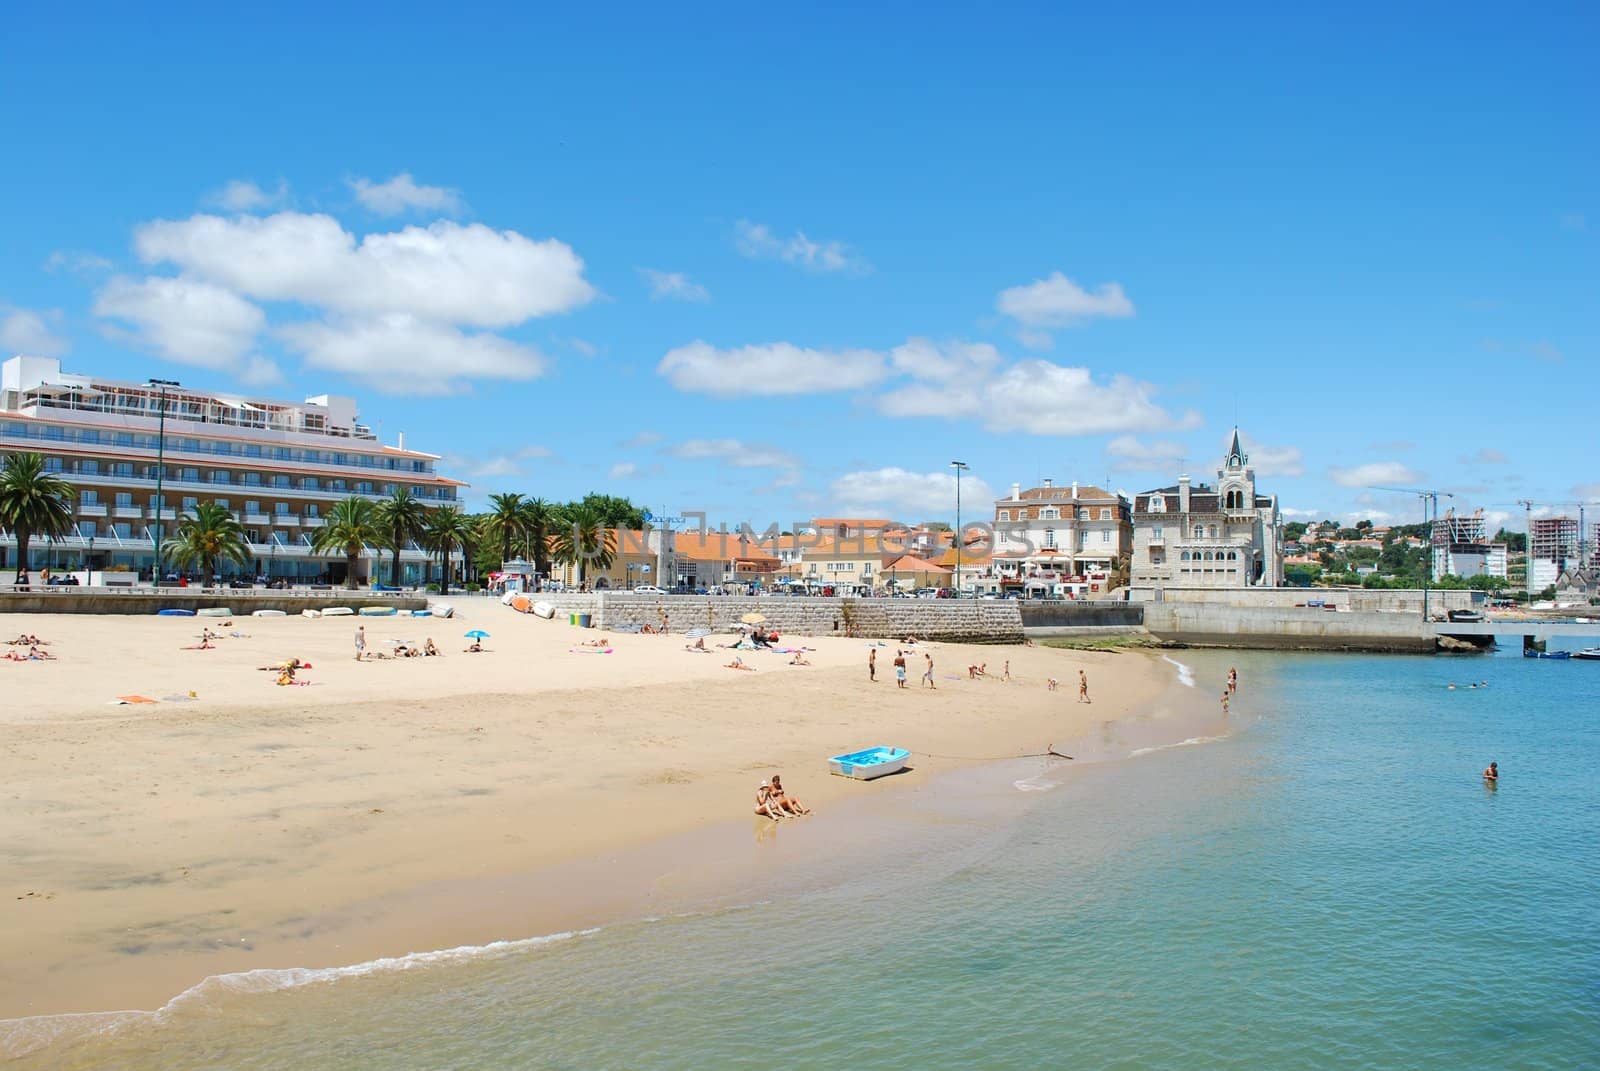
pixel 1556 544
pixel 1461 547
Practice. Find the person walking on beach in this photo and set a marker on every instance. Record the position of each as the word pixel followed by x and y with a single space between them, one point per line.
pixel 872 665
pixel 900 669
pixel 1083 687
pixel 1233 680
pixel 927 674
pixel 361 642
pixel 1005 674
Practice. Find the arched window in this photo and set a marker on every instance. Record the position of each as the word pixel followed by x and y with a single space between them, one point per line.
pixel 1183 556
pixel 1233 555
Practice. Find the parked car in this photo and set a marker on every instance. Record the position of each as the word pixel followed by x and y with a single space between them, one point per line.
pixel 648 589
pixel 1465 615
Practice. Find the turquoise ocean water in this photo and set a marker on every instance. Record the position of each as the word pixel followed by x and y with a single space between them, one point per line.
pixel 1328 885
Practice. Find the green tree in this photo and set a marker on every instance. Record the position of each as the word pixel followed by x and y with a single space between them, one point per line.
pixel 402 519
pixel 350 525
pixel 505 522
pixel 206 535
pixel 1293 531
pixel 538 519
pixel 33 502
pixel 613 511
pixel 582 539
pixel 1516 542
pixel 448 530
pixel 1301 576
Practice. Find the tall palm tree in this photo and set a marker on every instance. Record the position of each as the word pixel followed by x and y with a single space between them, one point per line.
pixel 448 530
pixel 581 539
pixel 350 525
pixel 207 534
pixel 33 501
pixel 503 522
pixel 402 518
pixel 538 517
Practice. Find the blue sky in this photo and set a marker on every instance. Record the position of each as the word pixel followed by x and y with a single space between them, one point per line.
pixel 775 265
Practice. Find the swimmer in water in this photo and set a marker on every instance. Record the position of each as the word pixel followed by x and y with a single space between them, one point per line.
pixel 1492 774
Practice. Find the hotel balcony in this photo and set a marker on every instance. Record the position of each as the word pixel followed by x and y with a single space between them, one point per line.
pixel 257 519
pixel 286 520
pixel 167 514
pixel 128 513
pixel 92 509
pixel 174 485
pixel 313 522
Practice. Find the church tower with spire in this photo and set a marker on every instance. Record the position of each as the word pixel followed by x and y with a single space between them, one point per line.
pixel 1236 481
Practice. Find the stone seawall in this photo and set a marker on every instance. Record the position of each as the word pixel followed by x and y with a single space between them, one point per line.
pixel 954 620
pixel 96 601
pixel 1287 629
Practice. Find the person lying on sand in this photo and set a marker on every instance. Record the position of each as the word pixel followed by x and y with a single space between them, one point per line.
pixel 799 659
pixel 27 640
pixel 43 656
pixel 698 645
pixel 429 650
pixel 475 647
pixel 766 805
pixel 595 643
pixel 974 672
pixel 738 663
pixel 785 801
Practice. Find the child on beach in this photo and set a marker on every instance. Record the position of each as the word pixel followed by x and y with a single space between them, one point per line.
pixel 1083 687
pixel 1224 704
pixel 1006 675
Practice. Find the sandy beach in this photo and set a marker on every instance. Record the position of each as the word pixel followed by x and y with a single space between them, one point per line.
pixel 150 845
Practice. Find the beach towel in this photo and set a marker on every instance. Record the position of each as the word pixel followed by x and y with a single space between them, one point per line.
pixel 590 650
pixel 134 699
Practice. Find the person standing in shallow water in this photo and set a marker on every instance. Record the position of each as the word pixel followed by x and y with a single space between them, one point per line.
pixel 1492 774
pixel 1233 680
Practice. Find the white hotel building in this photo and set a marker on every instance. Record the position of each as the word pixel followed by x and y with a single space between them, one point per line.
pixel 278 466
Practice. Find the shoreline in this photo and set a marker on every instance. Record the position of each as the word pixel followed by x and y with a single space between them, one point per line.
pixel 458 867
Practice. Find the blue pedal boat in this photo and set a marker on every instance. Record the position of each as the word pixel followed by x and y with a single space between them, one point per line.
pixel 870 763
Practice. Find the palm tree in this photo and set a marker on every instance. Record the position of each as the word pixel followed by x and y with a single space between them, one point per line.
pixel 402 518
pixel 350 525
pixel 504 522
pixel 33 501
pixel 538 516
pixel 207 534
pixel 581 539
pixel 448 529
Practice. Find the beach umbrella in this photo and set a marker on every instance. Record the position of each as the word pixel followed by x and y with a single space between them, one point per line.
pixel 698 633
pixel 477 634
pixel 753 619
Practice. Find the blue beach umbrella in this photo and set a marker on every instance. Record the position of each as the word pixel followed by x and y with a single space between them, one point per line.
pixel 477 634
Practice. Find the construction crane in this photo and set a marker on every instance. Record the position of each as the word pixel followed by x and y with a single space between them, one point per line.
pixel 1583 535
pixel 1430 517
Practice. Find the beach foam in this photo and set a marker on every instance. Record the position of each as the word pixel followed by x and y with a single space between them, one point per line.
pixel 1191 742
pixel 1185 674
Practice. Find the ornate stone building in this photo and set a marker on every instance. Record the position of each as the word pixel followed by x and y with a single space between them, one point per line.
pixel 1195 536
pixel 1049 534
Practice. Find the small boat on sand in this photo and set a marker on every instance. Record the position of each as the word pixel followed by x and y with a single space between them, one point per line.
pixel 870 763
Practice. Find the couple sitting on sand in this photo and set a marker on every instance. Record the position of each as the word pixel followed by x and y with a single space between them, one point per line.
pixel 27 640
pixel 772 802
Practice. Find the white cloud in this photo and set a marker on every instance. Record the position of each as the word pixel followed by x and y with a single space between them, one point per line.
pixel 642 439
pixel 401 354
pixel 1057 301
pixel 534 452
pixel 185 320
pixel 740 455
pixel 1290 511
pixel 896 492
pixel 1485 456
pixel 241 196
pixel 76 262
pixel 1050 399
pixel 756 241
pixel 450 272
pixel 1271 460
pixel 402 194
pixel 623 470
pixel 674 286
pixel 1131 455
pixel 29 332
pixel 946 379
pixel 1391 473
pixel 777 368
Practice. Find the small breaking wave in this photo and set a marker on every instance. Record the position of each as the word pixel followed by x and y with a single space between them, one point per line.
pixel 1034 784
pixel 25 1036
pixel 1191 742
pixel 1185 674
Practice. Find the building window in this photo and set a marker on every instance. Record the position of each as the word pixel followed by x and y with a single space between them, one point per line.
pixel 1157 504
pixel 1183 556
pixel 1049 514
pixel 1105 515
pixel 124 499
pixel 89 467
pixel 1083 514
pixel 1199 531
pixel 1105 535
pixel 1050 538
pixel 1005 515
pixel 1155 532
pixel 190 503
pixel 88 498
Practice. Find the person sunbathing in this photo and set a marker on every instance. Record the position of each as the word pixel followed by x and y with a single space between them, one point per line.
pixel 42 656
pixel 738 663
pixel 766 804
pixel 699 645
pixel 785 801
pixel 429 650
pixel 474 648
pixel 596 643
pixel 799 659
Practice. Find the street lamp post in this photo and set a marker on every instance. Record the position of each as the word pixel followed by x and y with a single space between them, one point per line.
pixel 161 464
pixel 958 466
